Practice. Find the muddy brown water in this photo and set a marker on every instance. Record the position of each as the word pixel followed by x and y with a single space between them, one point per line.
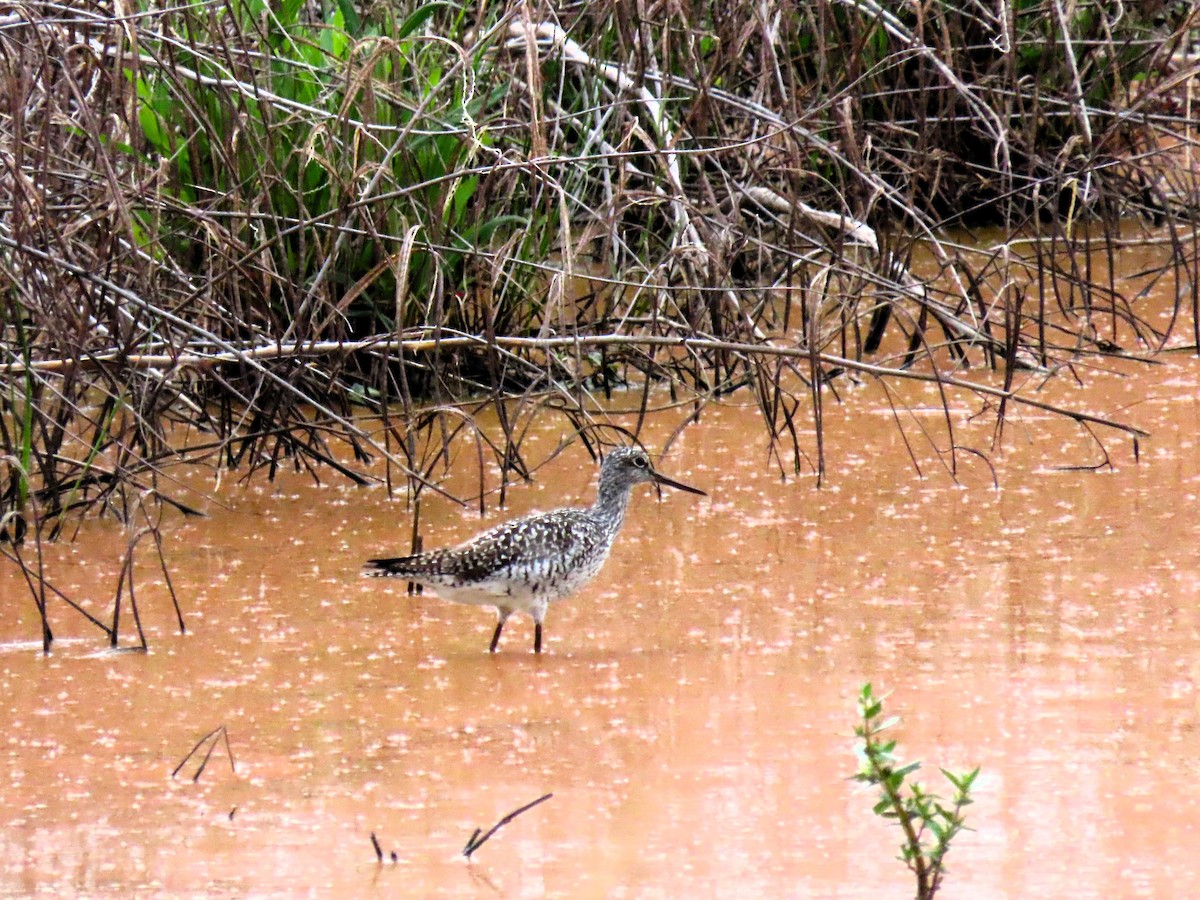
pixel 694 709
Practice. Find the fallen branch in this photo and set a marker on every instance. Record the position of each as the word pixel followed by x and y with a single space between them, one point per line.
pixel 852 228
pixel 319 348
pixel 476 841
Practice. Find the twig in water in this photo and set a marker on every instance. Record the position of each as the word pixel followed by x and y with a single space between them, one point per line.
pixel 215 737
pixel 378 849
pixel 156 533
pixel 43 582
pixel 476 841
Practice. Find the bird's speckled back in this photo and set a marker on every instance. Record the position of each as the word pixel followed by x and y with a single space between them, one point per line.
pixel 564 547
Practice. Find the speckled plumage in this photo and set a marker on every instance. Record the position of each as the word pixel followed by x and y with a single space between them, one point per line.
pixel 528 563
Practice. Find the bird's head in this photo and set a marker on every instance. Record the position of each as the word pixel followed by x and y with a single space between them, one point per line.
pixel 626 466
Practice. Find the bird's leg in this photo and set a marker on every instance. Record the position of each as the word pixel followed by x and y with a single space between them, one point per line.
pixel 538 613
pixel 502 615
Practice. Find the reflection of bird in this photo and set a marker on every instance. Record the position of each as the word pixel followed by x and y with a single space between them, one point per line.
pixel 529 562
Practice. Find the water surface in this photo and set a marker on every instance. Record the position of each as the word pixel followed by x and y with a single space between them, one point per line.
pixel 694 708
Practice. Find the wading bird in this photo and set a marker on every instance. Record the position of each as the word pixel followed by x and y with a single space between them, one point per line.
pixel 528 563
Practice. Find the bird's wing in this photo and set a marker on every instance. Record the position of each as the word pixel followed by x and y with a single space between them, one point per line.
pixel 530 543
pixel 542 541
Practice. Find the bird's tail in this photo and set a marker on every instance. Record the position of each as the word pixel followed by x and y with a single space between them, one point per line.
pixel 397 565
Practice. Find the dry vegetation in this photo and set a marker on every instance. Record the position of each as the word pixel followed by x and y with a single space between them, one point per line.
pixel 232 232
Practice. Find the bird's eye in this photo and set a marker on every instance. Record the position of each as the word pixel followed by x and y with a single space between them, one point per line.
pixel 641 462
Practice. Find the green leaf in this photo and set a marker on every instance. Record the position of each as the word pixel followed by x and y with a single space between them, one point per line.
pixel 153 130
pixel 350 17
pixel 484 232
pixel 962 781
pixel 288 12
pixel 418 18
pixel 463 194
pixel 334 40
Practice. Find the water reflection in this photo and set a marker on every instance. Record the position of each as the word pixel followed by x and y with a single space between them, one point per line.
pixel 693 708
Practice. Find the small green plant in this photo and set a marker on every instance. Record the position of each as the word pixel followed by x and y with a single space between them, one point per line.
pixel 928 825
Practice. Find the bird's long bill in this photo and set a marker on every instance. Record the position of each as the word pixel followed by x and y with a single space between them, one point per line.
pixel 679 486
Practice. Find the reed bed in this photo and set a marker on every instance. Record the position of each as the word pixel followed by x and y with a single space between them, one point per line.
pixel 251 235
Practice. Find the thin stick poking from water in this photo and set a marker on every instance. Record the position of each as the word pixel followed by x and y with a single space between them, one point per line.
pixel 162 562
pixel 128 573
pixel 378 849
pixel 215 737
pixel 38 589
pixel 418 544
pixel 476 841
pixel 15 557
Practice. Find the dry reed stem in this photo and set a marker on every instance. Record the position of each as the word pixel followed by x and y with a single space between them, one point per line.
pixel 252 230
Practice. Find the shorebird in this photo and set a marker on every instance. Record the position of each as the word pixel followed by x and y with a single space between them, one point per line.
pixel 528 563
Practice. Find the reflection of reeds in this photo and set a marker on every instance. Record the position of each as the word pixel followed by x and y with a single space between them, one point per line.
pixel 226 235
